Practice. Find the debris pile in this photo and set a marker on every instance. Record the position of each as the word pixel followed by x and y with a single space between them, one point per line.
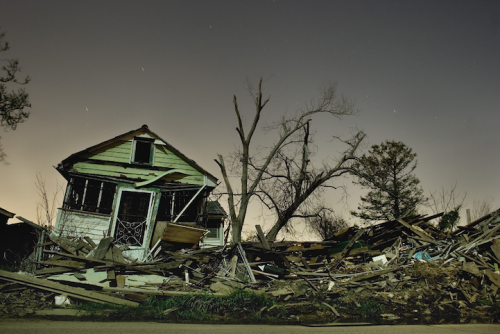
pixel 406 265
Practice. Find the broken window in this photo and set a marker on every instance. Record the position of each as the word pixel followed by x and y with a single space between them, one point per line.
pixel 143 151
pixel 173 202
pixel 90 195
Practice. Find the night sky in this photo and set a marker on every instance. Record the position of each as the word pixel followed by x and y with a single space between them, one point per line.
pixel 426 73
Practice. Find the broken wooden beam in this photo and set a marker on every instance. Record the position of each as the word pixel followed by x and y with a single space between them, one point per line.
pixel 64 289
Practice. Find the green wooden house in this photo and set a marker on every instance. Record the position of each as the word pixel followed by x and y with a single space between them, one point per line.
pixel 124 186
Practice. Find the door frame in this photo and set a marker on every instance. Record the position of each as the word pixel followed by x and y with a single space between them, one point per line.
pixel 152 200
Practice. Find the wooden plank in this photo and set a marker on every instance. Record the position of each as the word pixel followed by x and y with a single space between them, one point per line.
pixel 351 242
pixel 120 281
pixel 159 292
pixel 54 270
pixel 183 234
pixel 363 276
pixel 61 288
pixel 158 232
pixel 90 242
pixel 331 308
pixel 301 248
pixel 245 261
pixel 64 243
pixel 126 265
pixel 102 249
pixel 417 230
pixel 67 263
pixel 495 248
pixel 262 237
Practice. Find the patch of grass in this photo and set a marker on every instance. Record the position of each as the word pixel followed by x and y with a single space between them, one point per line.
pixel 371 309
pixel 279 312
pixel 6 268
pixel 201 306
pixel 489 303
pixel 197 307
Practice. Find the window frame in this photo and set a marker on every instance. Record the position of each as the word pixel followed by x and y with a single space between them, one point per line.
pixel 152 202
pixel 151 142
pixel 81 207
pixel 177 200
pixel 219 229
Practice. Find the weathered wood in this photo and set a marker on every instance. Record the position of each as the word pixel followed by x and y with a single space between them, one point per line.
pixel 262 237
pixel 90 242
pixel 158 232
pixel 183 234
pixel 158 292
pixel 245 261
pixel 102 249
pixel 495 248
pixel 70 264
pixel 80 277
pixel 370 274
pixel 64 289
pixel 128 266
pixel 120 281
pixel 417 230
pixel 331 308
pixel 349 245
pixel 54 270
pixel 494 277
pixel 64 243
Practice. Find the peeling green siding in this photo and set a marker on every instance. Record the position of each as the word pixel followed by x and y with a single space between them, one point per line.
pixel 116 152
pixel 119 152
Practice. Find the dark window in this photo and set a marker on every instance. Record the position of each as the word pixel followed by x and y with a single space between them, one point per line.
pixel 90 195
pixel 213 226
pixel 143 151
pixel 173 202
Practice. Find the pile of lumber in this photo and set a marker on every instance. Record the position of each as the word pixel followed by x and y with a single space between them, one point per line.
pixel 400 262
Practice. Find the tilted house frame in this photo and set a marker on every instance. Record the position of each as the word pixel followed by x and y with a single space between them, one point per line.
pixel 124 186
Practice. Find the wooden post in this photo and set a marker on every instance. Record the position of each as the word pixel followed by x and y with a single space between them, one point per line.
pixel 468 217
pixel 262 237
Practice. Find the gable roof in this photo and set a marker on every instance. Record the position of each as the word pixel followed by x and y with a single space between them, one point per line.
pixel 137 132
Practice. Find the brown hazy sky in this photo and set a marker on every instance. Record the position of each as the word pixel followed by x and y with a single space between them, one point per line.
pixel 426 73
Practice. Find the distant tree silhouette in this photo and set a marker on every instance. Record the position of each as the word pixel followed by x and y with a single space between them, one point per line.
pixel 394 190
pixel 12 104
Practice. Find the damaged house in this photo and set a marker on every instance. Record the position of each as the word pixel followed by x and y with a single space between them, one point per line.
pixel 138 189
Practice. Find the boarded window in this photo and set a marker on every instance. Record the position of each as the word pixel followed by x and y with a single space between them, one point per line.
pixel 143 151
pixel 90 195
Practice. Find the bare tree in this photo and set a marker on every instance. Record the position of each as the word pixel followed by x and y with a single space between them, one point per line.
pixel 326 224
pixel 252 170
pixel 481 208
pixel 291 187
pixel 46 208
pixel 446 200
pixel 449 202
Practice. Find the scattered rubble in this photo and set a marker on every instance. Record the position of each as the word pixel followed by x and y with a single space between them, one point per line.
pixel 409 266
